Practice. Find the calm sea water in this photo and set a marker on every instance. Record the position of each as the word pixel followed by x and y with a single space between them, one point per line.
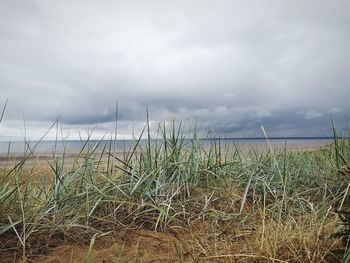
pixel 72 146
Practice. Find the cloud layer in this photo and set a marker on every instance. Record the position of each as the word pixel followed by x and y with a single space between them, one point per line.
pixel 233 65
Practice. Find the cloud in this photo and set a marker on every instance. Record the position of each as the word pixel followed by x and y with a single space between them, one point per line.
pixel 312 114
pixel 232 65
pixel 336 110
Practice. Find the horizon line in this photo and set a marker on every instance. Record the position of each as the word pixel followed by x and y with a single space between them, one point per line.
pixel 201 138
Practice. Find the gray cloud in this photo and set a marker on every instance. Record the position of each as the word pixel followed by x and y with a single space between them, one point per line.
pixel 233 65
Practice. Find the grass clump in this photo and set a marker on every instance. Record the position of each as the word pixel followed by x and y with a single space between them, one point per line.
pixel 214 201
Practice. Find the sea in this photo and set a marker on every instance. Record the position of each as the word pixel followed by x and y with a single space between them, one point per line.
pixel 10 148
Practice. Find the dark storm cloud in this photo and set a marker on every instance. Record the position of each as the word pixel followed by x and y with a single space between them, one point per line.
pixel 232 65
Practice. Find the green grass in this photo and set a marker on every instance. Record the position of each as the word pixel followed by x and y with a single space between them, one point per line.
pixel 281 203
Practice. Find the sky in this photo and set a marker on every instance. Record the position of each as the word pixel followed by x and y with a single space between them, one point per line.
pixel 229 66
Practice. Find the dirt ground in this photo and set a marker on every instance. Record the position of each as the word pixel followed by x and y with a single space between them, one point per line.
pixel 148 245
pixel 129 246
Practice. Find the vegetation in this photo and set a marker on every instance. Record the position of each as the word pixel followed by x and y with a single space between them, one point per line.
pixel 206 202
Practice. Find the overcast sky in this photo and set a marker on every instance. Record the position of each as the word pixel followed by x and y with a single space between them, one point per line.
pixel 231 65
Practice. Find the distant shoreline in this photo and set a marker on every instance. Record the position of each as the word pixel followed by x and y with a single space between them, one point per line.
pixel 46 152
pixel 3 140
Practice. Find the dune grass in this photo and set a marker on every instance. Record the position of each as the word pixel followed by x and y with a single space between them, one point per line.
pixel 231 206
